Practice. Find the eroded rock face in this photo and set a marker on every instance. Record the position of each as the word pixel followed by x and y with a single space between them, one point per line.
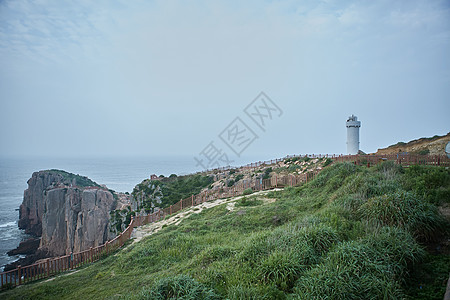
pixel 69 218
pixel 75 219
pixel 31 209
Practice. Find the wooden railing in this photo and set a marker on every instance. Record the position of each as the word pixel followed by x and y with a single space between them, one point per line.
pixel 51 266
pixel 402 158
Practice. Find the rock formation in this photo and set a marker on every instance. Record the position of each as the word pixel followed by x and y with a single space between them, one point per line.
pixel 69 212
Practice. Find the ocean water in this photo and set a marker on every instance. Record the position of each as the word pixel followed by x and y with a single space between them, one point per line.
pixel 119 174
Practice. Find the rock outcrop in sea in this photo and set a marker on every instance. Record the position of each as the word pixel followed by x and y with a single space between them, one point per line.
pixel 69 213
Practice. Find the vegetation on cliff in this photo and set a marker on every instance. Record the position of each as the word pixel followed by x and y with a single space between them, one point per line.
pixel 352 233
pixel 78 180
pixel 167 191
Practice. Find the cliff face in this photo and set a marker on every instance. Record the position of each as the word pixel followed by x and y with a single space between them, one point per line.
pixel 32 207
pixel 67 216
pixel 75 219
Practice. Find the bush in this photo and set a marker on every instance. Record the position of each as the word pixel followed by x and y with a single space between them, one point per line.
pixel 327 162
pixel 179 287
pixel 424 152
pixel 247 191
pixel 238 177
pixel 248 202
pixel 267 172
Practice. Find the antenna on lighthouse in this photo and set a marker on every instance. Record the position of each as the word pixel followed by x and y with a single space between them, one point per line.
pixel 353 125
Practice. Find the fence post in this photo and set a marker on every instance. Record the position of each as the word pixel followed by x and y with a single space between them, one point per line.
pixel 192 197
pixel 19 274
pixel 170 210
pixel 48 267
pixel 71 260
pixel 90 255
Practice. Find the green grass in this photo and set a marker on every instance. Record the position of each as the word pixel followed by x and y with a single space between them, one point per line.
pixel 352 233
pixel 81 181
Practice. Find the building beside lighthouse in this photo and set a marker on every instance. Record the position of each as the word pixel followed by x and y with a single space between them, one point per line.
pixel 353 125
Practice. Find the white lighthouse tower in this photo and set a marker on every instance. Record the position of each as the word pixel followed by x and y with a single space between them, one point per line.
pixel 353 125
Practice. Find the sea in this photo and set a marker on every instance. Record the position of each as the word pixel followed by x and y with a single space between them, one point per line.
pixel 118 173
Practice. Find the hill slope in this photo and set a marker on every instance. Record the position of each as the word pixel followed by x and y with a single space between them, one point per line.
pixel 434 146
pixel 351 233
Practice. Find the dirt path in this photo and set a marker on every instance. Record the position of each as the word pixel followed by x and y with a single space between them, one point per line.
pixel 140 232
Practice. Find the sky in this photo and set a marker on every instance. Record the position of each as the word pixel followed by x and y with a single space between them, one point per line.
pixel 146 78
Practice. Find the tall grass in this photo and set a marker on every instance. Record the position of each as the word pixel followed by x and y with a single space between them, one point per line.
pixel 178 287
pixel 368 268
pixel 405 210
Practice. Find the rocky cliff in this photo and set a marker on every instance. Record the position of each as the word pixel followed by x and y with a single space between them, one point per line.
pixel 432 146
pixel 69 212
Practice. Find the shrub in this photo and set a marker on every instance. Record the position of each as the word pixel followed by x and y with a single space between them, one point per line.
pixel 327 162
pixel 293 168
pixel 238 177
pixel 247 191
pixel 179 287
pixel 424 152
pixel 267 172
pixel 248 202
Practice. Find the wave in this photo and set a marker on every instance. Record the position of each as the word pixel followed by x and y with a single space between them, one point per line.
pixel 9 224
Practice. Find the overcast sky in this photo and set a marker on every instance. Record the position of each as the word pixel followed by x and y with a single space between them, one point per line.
pixel 139 78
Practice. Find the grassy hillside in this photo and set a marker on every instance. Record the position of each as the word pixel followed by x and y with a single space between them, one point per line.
pixel 352 233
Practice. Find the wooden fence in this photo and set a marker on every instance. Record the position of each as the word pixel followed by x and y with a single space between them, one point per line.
pixel 51 266
pixel 401 158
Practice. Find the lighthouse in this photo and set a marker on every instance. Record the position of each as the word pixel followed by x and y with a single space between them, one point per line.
pixel 353 125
